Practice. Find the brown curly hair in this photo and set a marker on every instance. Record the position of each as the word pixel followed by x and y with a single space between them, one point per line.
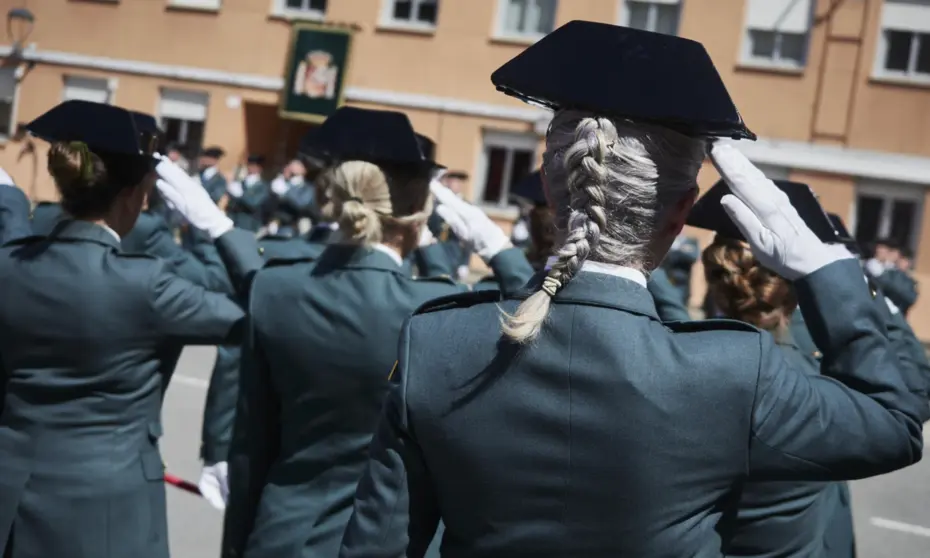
pixel 744 290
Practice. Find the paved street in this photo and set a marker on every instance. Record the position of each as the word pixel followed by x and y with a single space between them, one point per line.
pixel 892 512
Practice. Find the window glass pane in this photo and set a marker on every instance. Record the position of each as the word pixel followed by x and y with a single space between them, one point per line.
pixel 667 18
pixel 295 4
pixel 545 18
pixel 868 219
pixel 923 54
pixel 903 216
pixel 494 177
pixel 762 43
pixel 899 50
pixel 522 166
pixel 792 47
pixel 516 16
pixel 402 9
pixel 6 117
pixel 427 12
pixel 638 15
pixel 318 5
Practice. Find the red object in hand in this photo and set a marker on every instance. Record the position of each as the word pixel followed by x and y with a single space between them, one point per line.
pixel 178 482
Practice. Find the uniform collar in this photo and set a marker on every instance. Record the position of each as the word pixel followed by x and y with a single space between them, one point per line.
pixel 390 252
pixel 606 290
pixel 622 271
pixel 347 256
pixel 85 231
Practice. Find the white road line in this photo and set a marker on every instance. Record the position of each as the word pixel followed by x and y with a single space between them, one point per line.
pixel 902 527
pixel 190 381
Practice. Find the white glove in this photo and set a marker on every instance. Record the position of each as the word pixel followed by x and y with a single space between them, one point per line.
pixel 520 232
pixel 469 223
pixel 778 237
pixel 426 236
pixel 280 186
pixel 214 484
pixel 190 199
pixel 235 189
pixel 874 267
pixel 6 179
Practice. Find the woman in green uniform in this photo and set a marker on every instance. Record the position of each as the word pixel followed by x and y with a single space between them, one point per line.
pixel 586 426
pixel 324 338
pixel 86 333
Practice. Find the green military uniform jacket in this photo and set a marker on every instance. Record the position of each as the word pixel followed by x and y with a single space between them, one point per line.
pixel 315 371
pixel 250 210
pixel 87 338
pixel 899 287
pixel 670 304
pixel 615 434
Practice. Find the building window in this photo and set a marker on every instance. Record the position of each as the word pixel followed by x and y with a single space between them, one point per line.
pixel 183 116
pixel 904 45
pixel 660 16
pixel 777 33
pixel 97 90
pixel 307 9
pixel 887 211
pixel 411 13
pixel 526 18
pixel 774 172
pixel 8 86
pixel 506 159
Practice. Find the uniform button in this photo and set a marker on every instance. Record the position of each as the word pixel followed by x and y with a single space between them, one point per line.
pixel 261 251
pixel 818 354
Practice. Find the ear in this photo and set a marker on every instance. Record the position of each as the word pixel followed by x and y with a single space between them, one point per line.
pixel 678 213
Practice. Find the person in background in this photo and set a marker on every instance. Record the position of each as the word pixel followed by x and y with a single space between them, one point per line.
pixel 325 334
pixel 679 263
pixel 773 518
pixel 460 257
pixel 209 173
pixel 892 275
pixel 173 152
pixel 292 191
pixel 15 210
pixel 250 198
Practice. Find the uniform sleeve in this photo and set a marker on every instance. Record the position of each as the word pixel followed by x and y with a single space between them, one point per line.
pixel 899 287
pixel 254 447
pixel 862 421
pixel 197 265
pixel 667 298
pixel 434 261
pixel 14 214
pixel 512 270
pixel 219 409
pixel 910 351
pixel 190 315
pixel 238 249
pixel 396 511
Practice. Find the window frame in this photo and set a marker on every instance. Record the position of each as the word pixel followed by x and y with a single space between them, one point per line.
pixel 18 73
pixel 747 59
pixel 511 141
pixel 389 21
pixel 910 74
pixel 279 9
pixel 889 192
pixel 501 32
pixel 623 14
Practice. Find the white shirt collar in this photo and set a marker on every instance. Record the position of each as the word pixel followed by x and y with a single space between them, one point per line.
pixel 111 231
pixel 390 252
pixel 209 172
pixel 621 271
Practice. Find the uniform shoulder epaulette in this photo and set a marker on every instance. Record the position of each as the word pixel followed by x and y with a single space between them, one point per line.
pixel 445 279
pixel 460 300
pixel 23 240
pixel 710 325
pixel 282 262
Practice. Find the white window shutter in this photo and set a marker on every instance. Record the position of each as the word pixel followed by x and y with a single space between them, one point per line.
pixel 184 105
pixel 906 16
pixel 786 16
pixel 86 89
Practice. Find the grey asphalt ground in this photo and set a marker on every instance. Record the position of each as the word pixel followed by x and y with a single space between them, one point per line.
pixel 892 512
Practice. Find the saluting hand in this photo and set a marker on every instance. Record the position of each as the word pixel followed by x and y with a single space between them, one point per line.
pixel 777 235
pixel 469 223
pixel 191 199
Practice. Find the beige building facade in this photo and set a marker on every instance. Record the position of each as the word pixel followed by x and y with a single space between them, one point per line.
pixel 838 91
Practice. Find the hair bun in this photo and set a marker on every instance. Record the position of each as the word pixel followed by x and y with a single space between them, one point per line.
pixel 71 164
